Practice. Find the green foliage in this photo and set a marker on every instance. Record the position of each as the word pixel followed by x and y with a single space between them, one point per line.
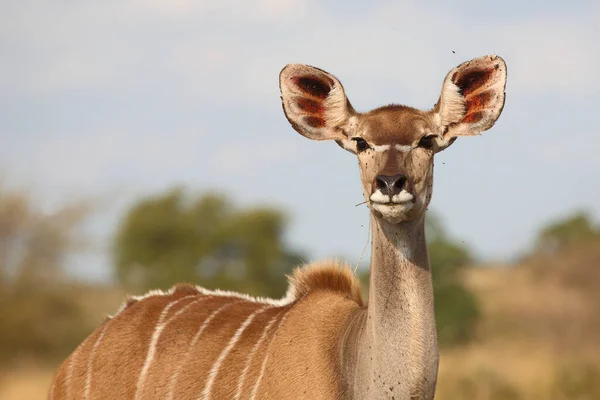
pixel 456 309
pixel 565 232
pixel 456 313
pixel 172 238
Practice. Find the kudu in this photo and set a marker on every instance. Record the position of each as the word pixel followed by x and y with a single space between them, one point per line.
pixel 320 341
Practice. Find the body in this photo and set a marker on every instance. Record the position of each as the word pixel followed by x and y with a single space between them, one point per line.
pixel 218 345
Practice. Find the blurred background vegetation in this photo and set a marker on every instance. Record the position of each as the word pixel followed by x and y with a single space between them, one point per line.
pixel 528 330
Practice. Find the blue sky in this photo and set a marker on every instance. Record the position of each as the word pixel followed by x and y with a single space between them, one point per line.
pixel 117 99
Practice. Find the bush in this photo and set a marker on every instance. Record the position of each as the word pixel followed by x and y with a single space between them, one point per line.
pixel 42 324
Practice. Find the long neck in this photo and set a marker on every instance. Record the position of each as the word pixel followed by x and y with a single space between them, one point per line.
pixel 391 349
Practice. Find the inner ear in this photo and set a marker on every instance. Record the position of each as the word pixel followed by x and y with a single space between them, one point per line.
pixel 472 97
pixel 314 102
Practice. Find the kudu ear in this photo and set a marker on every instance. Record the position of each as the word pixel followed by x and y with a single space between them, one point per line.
pixel 472 98
pixel 315 104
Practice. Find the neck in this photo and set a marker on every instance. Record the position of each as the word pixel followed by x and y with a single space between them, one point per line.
pixel 391 347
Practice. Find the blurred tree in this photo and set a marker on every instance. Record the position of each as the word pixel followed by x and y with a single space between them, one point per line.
pixel 456 309
pixel 173 238
pixel 564 232
pixel 38 318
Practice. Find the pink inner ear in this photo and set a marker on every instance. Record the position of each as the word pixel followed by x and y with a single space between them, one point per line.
pixel 313 86
pixel 309 104
pixel 314 122
pixel 470 82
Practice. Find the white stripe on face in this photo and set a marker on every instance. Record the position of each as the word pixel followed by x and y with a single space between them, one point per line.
pixel 380 148
pixel 403 147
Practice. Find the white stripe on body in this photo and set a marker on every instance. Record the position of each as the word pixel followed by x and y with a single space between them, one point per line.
pixel 160 326
pixel 212 375
pixel 88 376
pixel 175 376
pixel 264 363
pixel 72 360
pixel 51 393
pixel 255 348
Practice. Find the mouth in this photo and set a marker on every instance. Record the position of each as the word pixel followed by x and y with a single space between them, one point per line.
pixel 401 199
pixel 394 206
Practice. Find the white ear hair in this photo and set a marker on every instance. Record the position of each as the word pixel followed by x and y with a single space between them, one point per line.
pixel 472 97
pixel 314 102
pixel 452 104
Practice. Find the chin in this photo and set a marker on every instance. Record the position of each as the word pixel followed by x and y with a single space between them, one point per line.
pixel 393 213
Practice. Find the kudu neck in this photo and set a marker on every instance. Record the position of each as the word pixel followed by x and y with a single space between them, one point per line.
pixel 395 338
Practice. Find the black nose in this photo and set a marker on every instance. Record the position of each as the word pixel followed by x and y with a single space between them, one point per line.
pixel 390 185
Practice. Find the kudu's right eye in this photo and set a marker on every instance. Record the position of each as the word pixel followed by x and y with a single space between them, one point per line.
pixel 361 144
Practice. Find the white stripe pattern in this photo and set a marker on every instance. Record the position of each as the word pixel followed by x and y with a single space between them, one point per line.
pixel 212 375
pixel 88 376
pixel 404 147
pixel 255 348
pixel 72 360
pixel 51 394
pixel 160 325
pixel 380 148
pixel 175 375
pixel 264 363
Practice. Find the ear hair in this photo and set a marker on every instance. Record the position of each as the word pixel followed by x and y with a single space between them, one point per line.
pixel 453 104
pixel 314 102
pixel 472 97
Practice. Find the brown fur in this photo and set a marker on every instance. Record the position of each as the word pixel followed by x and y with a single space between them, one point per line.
pixel 330 276
pixel 321 296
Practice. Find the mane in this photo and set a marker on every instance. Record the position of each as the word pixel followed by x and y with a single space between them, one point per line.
pixel 333 276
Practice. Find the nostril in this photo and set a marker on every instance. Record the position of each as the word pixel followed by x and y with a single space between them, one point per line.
pixel 399 184
pixel 380 183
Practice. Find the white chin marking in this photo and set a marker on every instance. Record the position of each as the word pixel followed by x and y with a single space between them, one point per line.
pixel 393 212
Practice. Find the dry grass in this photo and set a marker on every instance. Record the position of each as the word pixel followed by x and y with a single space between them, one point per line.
pixel 26 383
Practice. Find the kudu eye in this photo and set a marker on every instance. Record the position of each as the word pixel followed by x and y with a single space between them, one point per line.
pixel 361 144
pixel 426 142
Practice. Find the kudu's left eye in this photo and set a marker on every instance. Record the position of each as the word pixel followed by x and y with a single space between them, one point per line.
pixel 361 144
pixel 426 142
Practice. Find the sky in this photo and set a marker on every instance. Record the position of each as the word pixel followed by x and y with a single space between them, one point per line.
pixel 118 99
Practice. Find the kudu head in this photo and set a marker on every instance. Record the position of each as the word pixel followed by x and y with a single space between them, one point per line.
pixel 395 144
